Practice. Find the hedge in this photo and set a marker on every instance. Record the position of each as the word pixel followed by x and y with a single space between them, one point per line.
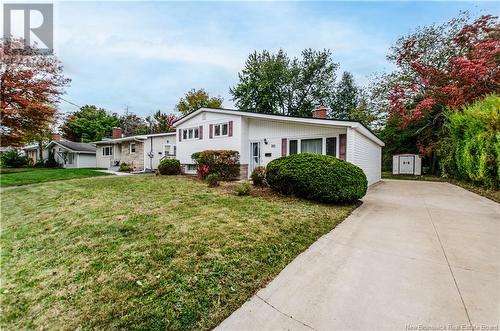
pixel 471 150
pixel 317 177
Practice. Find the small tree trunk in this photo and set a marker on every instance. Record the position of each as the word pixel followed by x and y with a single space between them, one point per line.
pixel 433 165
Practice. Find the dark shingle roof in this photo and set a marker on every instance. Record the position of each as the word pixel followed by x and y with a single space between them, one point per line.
pixel 77 147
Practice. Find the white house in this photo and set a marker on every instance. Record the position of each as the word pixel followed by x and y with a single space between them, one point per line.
pixel 261 138
pixel 142 152
pixel 70 154
pixel 32 152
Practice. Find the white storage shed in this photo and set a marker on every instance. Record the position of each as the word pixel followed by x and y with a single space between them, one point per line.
pixel 407 164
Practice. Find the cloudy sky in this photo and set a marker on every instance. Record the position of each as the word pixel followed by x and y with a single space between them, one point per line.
pixel 147 55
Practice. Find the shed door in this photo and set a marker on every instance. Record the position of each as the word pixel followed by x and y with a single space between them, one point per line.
pixel 406 164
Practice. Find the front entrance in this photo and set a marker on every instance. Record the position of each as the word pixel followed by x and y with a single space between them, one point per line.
pixel 406 164
pixel 254 156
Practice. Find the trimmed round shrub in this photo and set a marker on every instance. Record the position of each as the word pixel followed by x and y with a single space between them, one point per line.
pixel 317 177
pixel 212 180
pixel 169 167
pixel 259 176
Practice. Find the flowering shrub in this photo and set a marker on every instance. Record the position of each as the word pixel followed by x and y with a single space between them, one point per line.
pixel 225 163
pixel 202 171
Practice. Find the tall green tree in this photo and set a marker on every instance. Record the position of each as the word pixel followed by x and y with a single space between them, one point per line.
pixel 133 124
pixel 195 99
pixel 352 102
pixel 275 84
pixel 165 122
pixel 363 112
pixel 88 124
pixel 346 97
pixel 160 122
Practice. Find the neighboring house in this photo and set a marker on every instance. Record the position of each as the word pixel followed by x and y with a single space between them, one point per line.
pixel 142 152
pixel 32 152
pixel 70 154
pixel 261 138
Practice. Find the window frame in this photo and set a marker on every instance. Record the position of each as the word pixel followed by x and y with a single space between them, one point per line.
pixel 323 144
pixel 220 126
pixel 194 132
pixel 130 148
pixel 297 151
pixel 321 141
pixel 191 168
pixel 108 148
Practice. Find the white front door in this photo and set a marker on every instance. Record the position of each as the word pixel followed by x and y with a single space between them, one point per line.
pixel 406 164
pixel 254 156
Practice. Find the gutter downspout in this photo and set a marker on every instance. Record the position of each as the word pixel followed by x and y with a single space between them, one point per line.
pixel 151 153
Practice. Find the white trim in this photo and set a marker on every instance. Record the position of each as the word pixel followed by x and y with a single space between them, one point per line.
pixel 323 143
pixel 131 138
pixel 194 129
pixel 220 124
pixel 251 165
pixel 110 148
pixel 324 122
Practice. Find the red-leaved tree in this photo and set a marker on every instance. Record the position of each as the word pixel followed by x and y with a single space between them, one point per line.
pixel 30 85
pixel 445 68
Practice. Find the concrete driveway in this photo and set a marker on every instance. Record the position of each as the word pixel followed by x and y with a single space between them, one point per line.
pixel 415 254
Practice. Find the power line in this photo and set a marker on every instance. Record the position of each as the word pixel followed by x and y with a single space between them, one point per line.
pixel 71 103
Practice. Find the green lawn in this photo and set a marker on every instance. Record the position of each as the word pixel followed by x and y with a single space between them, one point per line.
pixel 25 176
pixel 145 252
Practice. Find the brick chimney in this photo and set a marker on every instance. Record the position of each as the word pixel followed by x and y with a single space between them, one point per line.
pixel 319 112
pixel 56 137
pixel 117 133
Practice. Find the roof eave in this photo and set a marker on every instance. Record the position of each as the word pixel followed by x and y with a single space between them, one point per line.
pixel 315 121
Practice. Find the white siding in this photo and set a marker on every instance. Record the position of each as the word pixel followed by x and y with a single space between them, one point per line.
pixel 106 161
pixel 361 150
pixel 79 160
pixel 365 154
pixel 157 150
pixel 274 131
pixel 185 148
pixel 86 161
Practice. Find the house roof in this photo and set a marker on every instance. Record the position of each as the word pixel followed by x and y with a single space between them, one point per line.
pixel 132 138
pixel 73 146
pixel 360 127
pixel 30 147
